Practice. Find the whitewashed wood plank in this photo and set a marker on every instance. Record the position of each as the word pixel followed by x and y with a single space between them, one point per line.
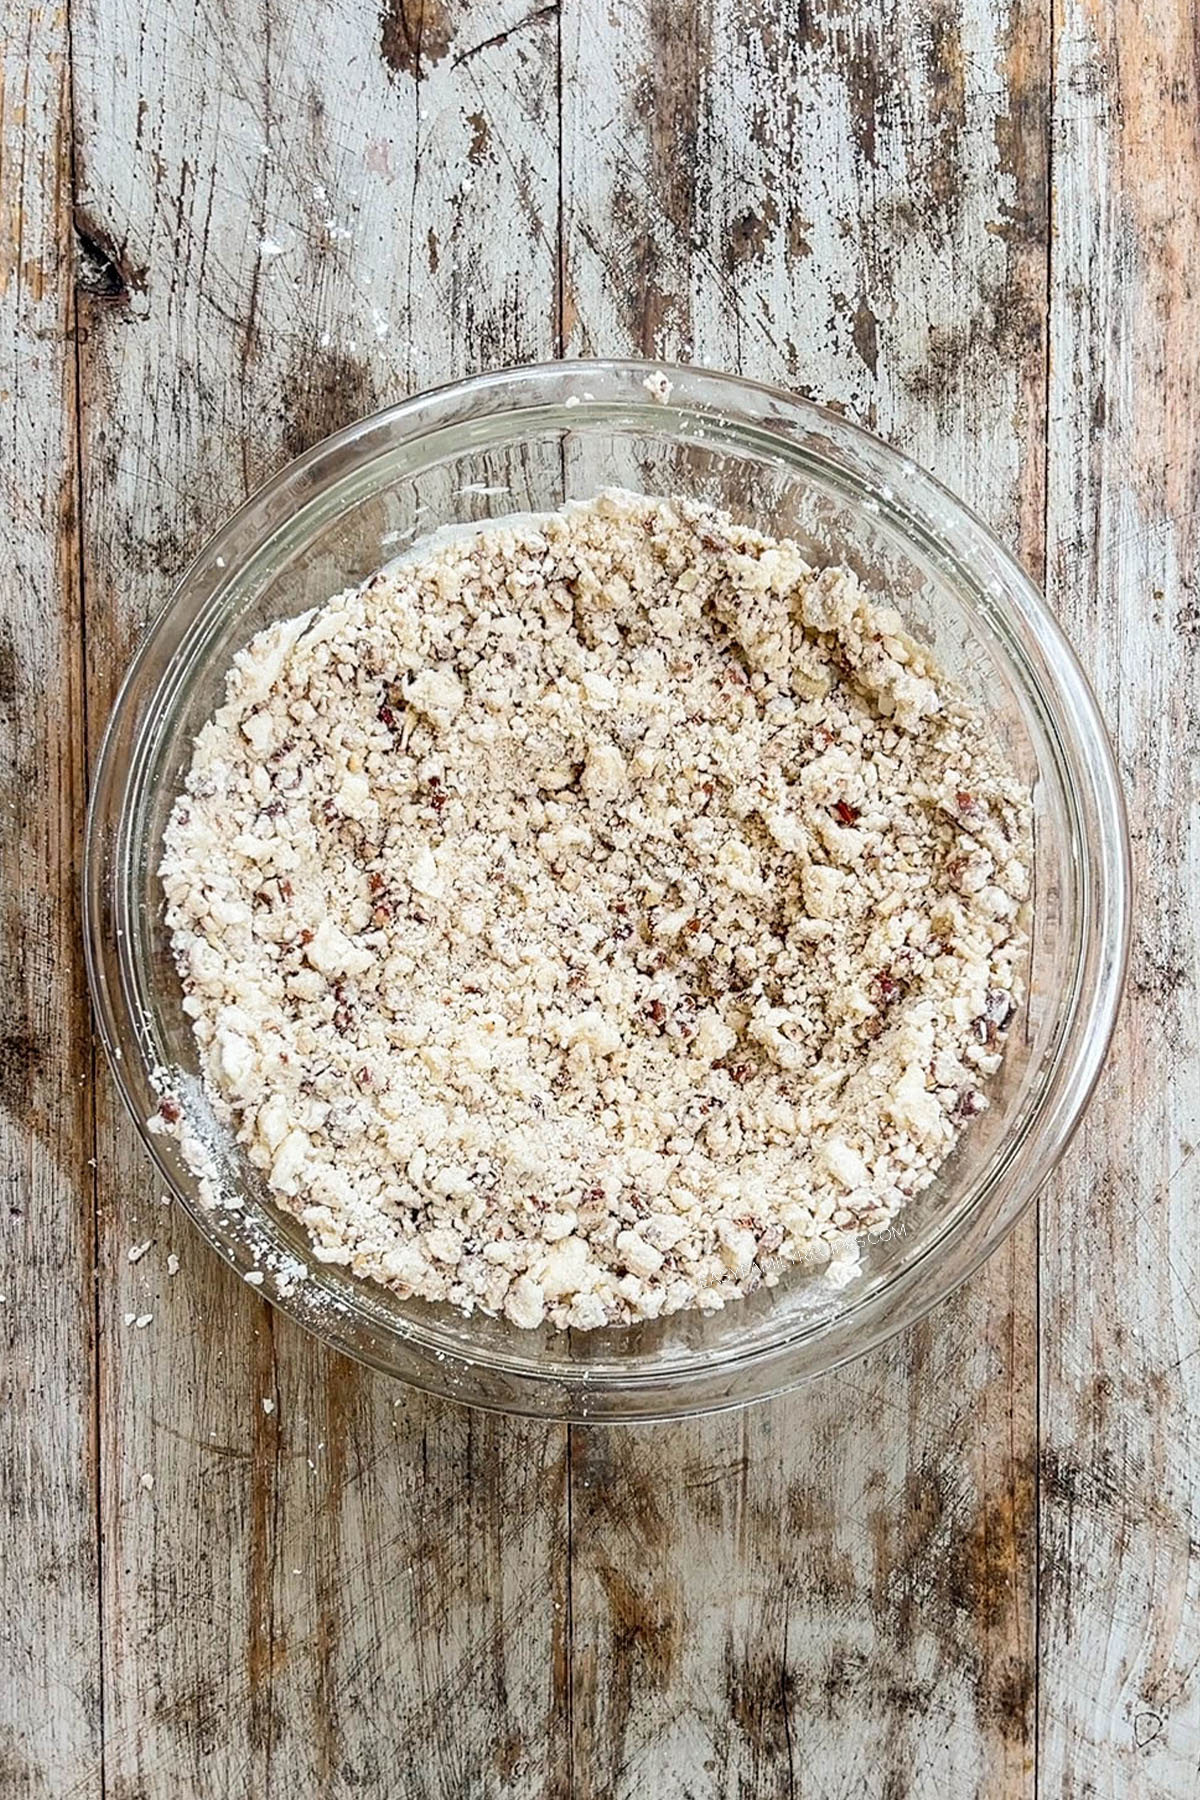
pixel 357 1590
pixel 1120 1328
pixel 49 1624
pixel 833 1594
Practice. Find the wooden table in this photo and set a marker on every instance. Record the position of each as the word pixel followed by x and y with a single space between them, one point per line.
pixel 239 1566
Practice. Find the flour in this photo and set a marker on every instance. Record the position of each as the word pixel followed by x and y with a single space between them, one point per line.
pixel 595 914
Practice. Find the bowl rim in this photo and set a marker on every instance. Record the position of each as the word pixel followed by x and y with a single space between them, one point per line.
pixel 923 511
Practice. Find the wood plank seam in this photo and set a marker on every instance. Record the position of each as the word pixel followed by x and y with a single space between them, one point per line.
pixel 1040 576
pixel 94 1053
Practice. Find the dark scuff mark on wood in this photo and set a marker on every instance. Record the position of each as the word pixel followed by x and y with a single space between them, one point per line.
pixel 798 229
pixel 864 89
pixel 1159 973
pixel 866 334
pixel 506 1757
pixel 644 1642
pixel 810 1518
pixel 647 1626
pixel 343 1389
pixel 1004 1699
pixel 96 272
pixel 413 35
pixel 1022 139
pixel 626 1496
pixel 750 232
pixel 757 1692
pixel 658 208
pixel 946 88
pixel 990 1554
pixel 328 389
pixel 1008 326
pixel 9 668
pixel 20 1061
pixel 500 38
pixel 1091 1483
pixel 103 270
pixel 984 1579
pixel 481 138
pixel 266 1648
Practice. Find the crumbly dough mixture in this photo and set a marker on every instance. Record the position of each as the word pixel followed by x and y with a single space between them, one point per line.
pixel 594 915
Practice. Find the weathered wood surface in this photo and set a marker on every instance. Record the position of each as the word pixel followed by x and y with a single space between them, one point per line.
pixel 963 1566
pixel 1120 1294
pixel 311 1600
pixel 842 1584
pixel 49 1625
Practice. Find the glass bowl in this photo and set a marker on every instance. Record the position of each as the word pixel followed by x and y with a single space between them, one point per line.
pixel 525 440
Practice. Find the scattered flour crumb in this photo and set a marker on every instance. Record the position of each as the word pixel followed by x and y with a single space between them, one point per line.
pixel 141 1322
pixel 147 1481
pixel 137 1251
pixel 254 1277
pixel 268 1406
pixel 658 386
pixel 172 1264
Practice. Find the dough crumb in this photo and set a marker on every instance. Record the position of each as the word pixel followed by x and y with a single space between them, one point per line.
pixel 594 915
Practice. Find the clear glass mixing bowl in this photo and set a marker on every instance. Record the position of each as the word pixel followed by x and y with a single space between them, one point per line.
pixel 525 440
